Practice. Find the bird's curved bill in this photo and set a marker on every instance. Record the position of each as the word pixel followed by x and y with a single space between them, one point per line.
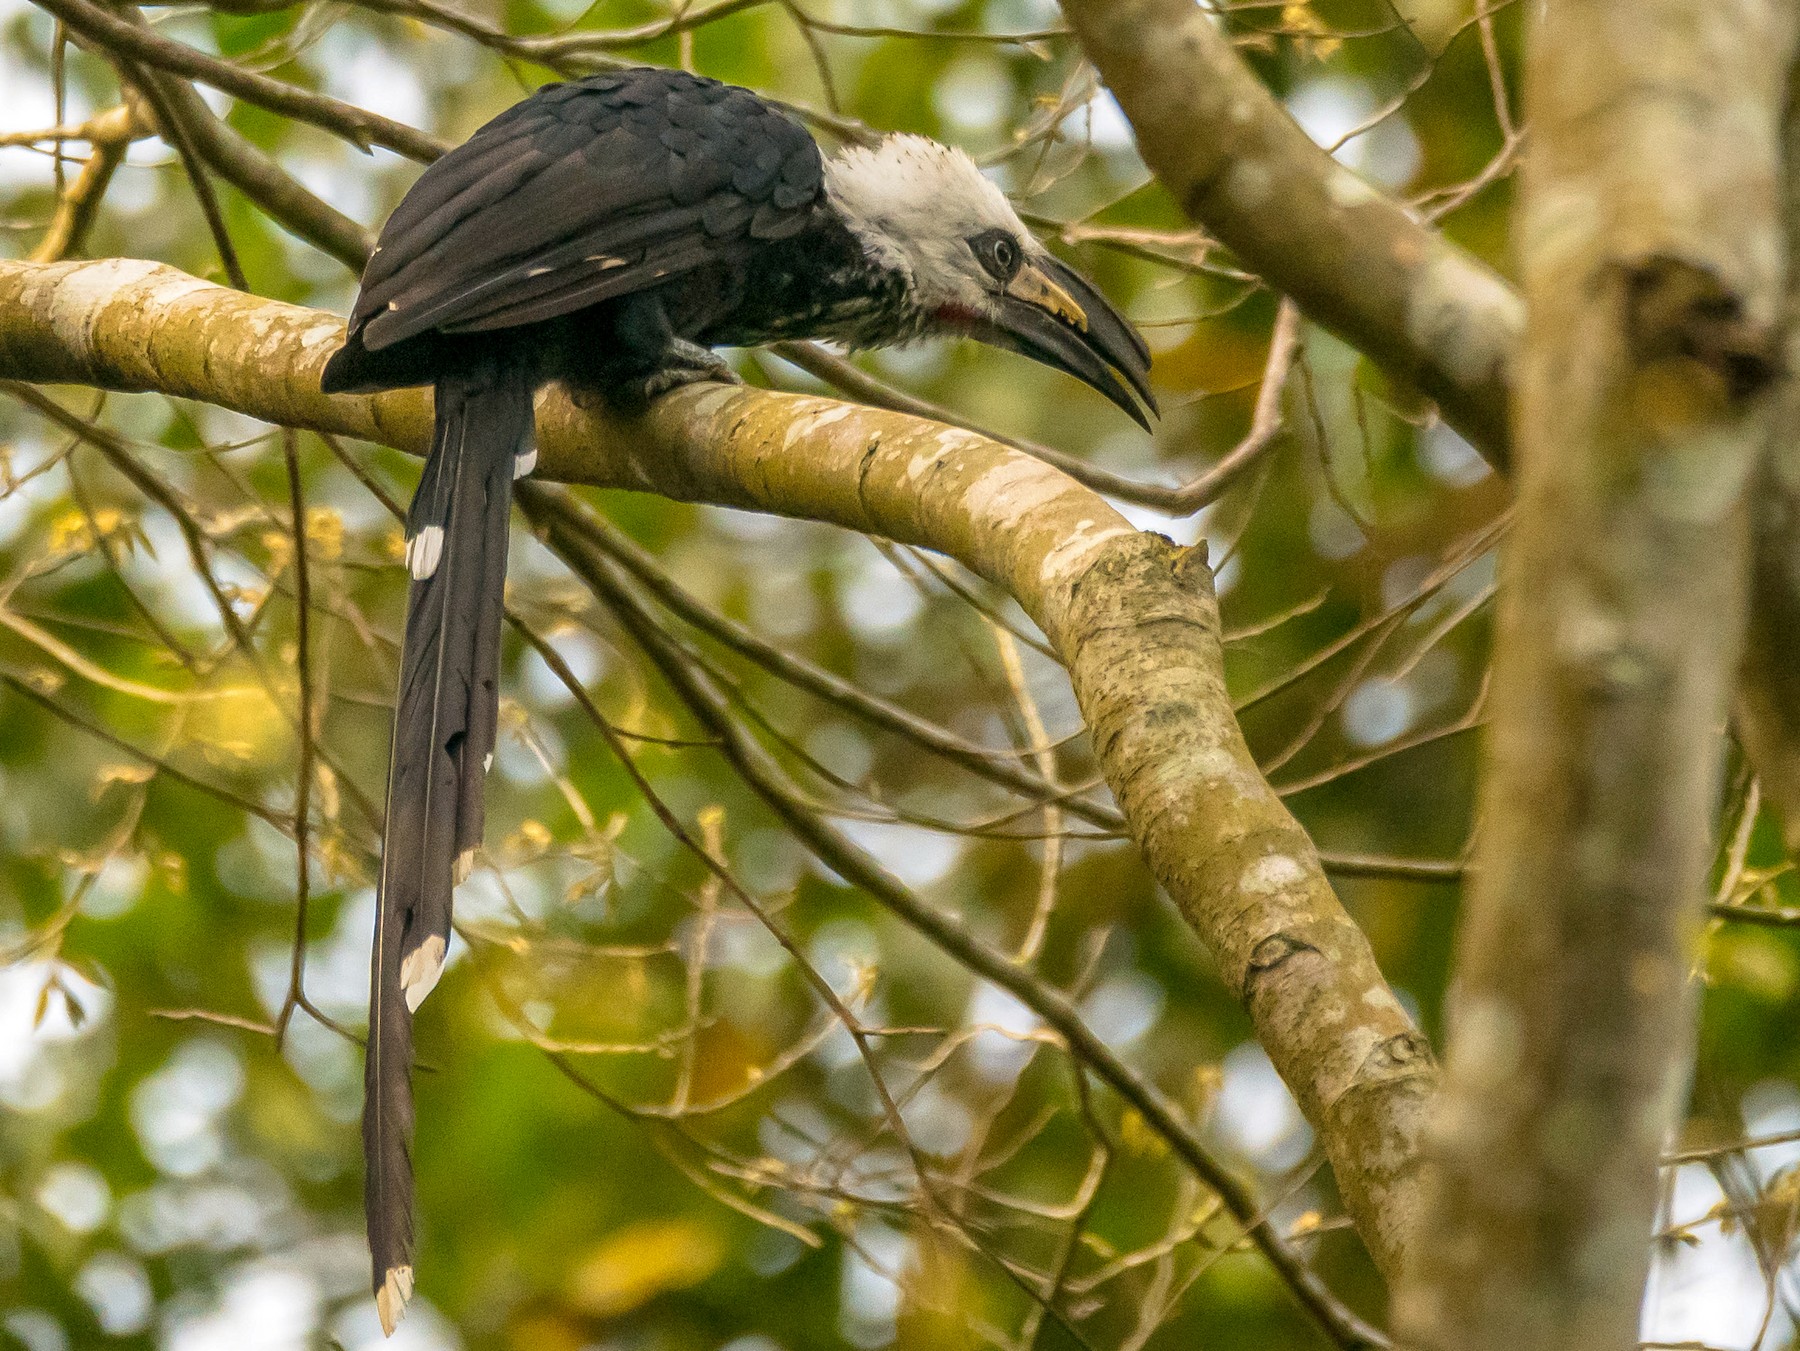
pixel 1051 314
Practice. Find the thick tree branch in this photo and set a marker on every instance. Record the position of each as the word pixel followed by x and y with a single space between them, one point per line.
pixel 1651 250
pixel 1133 616
pixel 1354 259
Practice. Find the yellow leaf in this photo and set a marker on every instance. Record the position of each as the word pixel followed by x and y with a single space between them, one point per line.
pixel 108 775
pixel 325 777
pixel 1135 1134
pixel 529 840
pixel 325 533
pixel 1304 26
pixel 633 1265
pixel 238 724
pixel 73 532
pixel 281 549
pixel 69 533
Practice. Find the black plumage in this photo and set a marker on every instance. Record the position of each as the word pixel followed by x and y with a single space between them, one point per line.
pixel 607 233
pixel 620 185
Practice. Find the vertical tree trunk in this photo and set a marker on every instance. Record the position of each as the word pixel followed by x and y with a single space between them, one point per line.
pixel 1650 252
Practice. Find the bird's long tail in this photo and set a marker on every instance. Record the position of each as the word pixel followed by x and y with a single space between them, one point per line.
pixel 445 721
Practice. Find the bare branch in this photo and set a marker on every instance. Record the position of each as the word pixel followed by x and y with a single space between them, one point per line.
pixel 356 125
pixel 1353 259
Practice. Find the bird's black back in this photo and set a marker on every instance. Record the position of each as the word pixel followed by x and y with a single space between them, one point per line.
pixel 546 222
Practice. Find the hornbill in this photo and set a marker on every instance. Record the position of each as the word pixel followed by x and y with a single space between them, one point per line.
pixel 608 233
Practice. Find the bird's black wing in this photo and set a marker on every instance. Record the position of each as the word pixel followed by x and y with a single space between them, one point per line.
pixel 587 191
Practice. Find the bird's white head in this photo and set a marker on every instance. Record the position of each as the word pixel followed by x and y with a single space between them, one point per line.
pixel 926 213
pixel 925 210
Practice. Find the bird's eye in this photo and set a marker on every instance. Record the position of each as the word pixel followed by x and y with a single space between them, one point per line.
pixel 999 253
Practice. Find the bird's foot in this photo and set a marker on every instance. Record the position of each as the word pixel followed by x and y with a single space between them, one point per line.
pixel 688 363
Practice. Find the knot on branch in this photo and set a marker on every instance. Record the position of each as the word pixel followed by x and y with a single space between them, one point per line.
pixel 1677 310
pixel 1406 1053
pixel 1272 952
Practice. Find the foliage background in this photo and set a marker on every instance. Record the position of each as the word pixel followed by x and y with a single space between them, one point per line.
pixel 171 1176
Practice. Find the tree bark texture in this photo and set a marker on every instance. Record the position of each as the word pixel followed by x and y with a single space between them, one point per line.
pixel 1651 254
pixel 1133 617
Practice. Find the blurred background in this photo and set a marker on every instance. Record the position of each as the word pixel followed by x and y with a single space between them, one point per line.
pixel 640 1126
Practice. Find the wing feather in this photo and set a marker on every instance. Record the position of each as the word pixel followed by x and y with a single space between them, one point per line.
pixel 531 217
pixel 579 288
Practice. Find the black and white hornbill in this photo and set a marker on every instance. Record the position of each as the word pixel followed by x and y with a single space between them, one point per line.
pixel 608 233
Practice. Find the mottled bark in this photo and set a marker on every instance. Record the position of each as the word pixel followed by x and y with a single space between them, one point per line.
pixel 1142 642
pixel 1651 256
pixel 1133 616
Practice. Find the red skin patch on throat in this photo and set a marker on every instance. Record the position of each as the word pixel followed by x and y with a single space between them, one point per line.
pixel 957 316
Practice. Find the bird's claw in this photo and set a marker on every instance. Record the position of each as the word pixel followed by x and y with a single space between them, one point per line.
pixel 689 363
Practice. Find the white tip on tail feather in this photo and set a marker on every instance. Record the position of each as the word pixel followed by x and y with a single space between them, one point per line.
pixel 465 864
pixel 420 970
pixel 524 462
pixel 423 551
pixel 390 1303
